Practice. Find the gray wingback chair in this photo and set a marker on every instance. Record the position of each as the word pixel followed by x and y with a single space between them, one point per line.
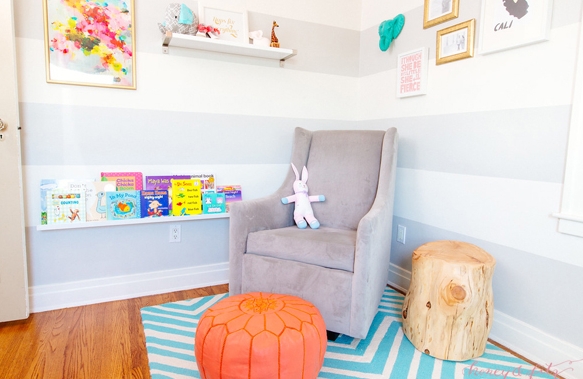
pixel 342 267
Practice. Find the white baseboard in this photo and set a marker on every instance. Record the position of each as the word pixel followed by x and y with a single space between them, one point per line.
pixel 73 294
pixel 520 337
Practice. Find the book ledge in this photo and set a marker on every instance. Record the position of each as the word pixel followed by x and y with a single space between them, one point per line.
pixel 136 221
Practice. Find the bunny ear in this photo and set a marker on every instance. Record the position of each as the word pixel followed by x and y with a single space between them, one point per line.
pixel 296 172
pixel 305 175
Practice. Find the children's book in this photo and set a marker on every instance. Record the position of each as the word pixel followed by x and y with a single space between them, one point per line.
pixel 47 185
pixel 125 181
pixel 186 197
pixel 207 181
pixel 51 184
pixel 213 202
pixel 154 203
pixel 162 182
pixel 94 196
pixel 123 205
pixel 232 193
pixel 65 207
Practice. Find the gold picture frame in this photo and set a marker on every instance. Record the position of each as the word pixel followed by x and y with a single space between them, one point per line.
pixel 438 11
pixel 456 42
pixel 90 43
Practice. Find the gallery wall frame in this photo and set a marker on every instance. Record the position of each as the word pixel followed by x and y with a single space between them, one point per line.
pixel 508 24
pixel 412 72
pixel 90 43
pixel 232 23
pixel 456 42
pixel 438 11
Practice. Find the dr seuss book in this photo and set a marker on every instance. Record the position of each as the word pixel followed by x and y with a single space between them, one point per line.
pixel 123 205
pixel 154 203
pixel 186 197
pixel 65 207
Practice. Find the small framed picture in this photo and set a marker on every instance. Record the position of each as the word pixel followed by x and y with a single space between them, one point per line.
pixel 455 42
pixel 438 11
pixel 232 24
pixel 90 43
pixel 412 73
pixel 512 23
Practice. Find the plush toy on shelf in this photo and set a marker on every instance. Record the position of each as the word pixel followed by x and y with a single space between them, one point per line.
pixel 179 19
pixel 303 208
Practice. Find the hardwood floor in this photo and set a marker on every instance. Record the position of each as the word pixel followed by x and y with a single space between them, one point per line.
pixel 100 341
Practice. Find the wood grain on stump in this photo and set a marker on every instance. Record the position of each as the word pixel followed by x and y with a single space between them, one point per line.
pixel 448 310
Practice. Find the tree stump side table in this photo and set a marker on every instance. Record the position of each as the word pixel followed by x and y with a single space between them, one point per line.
pixel 448 310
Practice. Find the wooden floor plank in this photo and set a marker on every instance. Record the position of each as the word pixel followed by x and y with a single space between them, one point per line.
pixel 92 342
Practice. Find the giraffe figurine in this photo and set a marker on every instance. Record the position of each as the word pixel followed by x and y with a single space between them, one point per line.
pixel 274 40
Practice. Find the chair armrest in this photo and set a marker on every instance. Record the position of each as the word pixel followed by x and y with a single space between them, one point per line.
pixel 250 216
pixel 373 242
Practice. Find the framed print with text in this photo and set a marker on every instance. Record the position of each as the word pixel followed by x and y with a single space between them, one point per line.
pixel 231 24
pixel 412 72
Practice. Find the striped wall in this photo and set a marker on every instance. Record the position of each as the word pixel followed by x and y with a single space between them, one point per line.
pixel 481 155
pixel 482 158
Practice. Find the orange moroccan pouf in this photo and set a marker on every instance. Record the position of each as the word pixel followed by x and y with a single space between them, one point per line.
pixel 260 335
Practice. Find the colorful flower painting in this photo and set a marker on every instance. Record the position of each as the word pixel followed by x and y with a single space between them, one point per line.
pixel 90 42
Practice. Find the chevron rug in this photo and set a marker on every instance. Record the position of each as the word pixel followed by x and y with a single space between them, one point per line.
pixel 385 354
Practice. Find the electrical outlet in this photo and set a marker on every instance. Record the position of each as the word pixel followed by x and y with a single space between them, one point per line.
pixel 174 233
pixel 401 233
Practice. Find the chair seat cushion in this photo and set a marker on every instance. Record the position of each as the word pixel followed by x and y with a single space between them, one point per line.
pixel 325 247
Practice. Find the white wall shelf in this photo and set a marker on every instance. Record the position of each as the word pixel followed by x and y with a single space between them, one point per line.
pixel 136 221
pixel 226 47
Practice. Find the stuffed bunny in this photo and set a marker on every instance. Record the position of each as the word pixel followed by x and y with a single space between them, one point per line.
pixel 303 211
pixel 179 19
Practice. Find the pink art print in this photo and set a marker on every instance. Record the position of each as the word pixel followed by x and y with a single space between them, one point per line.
pixel 90 42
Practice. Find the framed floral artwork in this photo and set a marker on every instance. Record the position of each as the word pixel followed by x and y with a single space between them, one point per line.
pixel 90 43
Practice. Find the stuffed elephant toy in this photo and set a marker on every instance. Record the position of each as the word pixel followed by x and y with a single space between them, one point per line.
pixel 179 19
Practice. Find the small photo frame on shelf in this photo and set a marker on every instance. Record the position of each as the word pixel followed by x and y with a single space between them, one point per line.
pixel 508 24
pixel 232 24
pixel 412 72
pixel 456 42
pixel 438 11
pixel 90 43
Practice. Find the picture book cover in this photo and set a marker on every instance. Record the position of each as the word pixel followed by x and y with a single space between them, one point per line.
pixel 186 197
pixel 47 185
pixel 154 203
pixel 163 182
pixel 94 196
pixel 207 181
pixel 232 193
pixel 51 184
pixel 65 207
pixel 125 181
pixel 123 205
pixel 213 202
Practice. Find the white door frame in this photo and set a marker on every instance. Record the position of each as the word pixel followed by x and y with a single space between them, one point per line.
pixel 13 272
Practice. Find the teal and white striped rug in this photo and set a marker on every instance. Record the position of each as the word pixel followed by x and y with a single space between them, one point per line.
pixel 385 354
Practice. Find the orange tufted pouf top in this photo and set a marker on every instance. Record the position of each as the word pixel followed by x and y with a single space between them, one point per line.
pixel 260 335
